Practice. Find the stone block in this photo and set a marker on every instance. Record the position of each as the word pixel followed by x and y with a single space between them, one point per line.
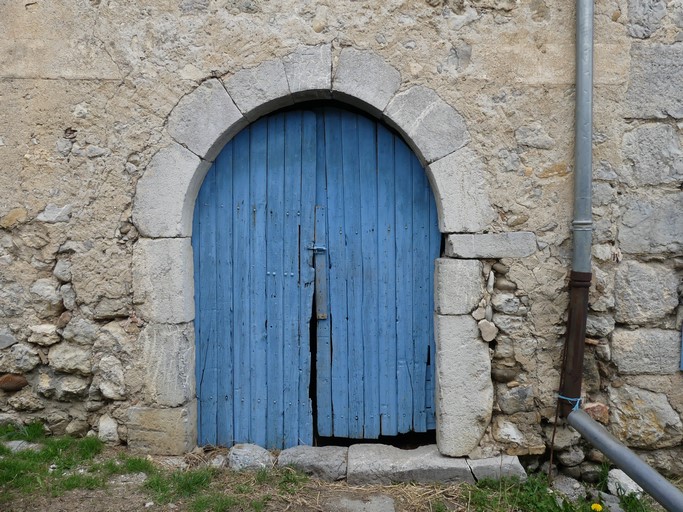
pixel 70 358
pixel 433 128
pixel 364 79
pixel 7 338
pixel 165 195
pixel 458 286
pixel 654 88
pixel 259 90
pixel 249 457
pixel 168 355
pixel 163 431
pixel 459 189
pixel 652 225
pixel 205 119
pixel 309 72
pixel 382 464
pixel 325 462
pixel 464 390
pixel 644 18
pixel 643 419
pixel 644 292
pixel 620 484
pixel 163 282
pixel 504 466
pixel 648 351
pixel 653 156
pixel 492 245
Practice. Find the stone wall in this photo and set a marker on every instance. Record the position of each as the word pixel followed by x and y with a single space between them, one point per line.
pixel 91 92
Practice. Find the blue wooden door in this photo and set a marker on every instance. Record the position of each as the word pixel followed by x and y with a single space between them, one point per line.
pixel 314 239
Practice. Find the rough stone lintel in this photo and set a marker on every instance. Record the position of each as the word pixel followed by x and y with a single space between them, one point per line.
pixel 458 286
pixel 517 244
pixel 464 390
pixel 459 189
pixel 163 431
pixel 163 284
pixel 165 195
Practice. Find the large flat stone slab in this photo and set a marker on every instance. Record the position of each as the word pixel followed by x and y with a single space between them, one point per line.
pixel 382 464
pixel 458 285
pixel 374 503
pixel 325 462
pixel 505 466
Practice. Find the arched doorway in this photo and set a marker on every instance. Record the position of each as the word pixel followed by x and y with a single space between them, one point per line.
pixel 314 237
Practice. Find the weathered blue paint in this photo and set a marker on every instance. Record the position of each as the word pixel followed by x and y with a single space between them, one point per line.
pixel 314 215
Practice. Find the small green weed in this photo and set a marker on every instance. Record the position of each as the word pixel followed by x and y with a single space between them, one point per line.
pixel 438 506
pixel 167 487
pixel 215 503
pixel 31 432
pixel 260 504
pixel 291 481
pixel 262 476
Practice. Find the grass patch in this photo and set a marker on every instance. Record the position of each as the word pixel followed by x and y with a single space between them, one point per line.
pixel 216 503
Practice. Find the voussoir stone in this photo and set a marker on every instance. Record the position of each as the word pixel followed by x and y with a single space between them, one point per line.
pixel 458 285
pixel 259 90
pixel 646 351
pixel 325 462
pixel 205 119
pixel 163 280
pixel 464 390
pixel 383 464
pixel 166 192
pixel 309 72
pixel 460 192
pixel 491 245
pixel 434 128
pixel 249 457
pixel 363 78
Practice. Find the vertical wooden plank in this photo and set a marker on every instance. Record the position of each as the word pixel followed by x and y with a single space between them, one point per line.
pixel 224 356
pixel 354 272
pixel 338 272
pixel 323 358
pixel 257 281
pixel 306 271
pixel 241 216
pixel 367 149
pixel 291 294
pixel 200 348
pixel 422 271
pixel 435 249
pixel 206 383
pixel 404 281
pixel 387 281
pixel 275 279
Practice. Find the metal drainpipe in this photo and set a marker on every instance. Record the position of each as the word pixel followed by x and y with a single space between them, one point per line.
pixel 580 278
pixel 572 366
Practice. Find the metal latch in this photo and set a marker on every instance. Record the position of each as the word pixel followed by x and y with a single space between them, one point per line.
pixel 317 249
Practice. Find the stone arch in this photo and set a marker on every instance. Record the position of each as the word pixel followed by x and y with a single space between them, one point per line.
pixel 200 125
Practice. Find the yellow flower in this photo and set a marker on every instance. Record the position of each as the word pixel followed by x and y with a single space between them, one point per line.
pixel 597 507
